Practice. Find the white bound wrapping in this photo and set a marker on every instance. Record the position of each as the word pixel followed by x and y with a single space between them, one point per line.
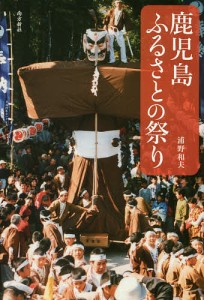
pixel 185 258
pixel 97 257
pixel 66 276
pixel 179 252
pixel 39 256
pixel 85 143
pixel 69 236
pixel 81 279
pixel 74 246
pixel 21 266
pixel 18 285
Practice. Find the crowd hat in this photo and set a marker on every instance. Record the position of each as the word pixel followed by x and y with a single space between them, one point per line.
pixel 77 244
pixel 60 168
pixel 149 232
pixel 157 228
pixel 70 234
pixel 20 287
pixel 130 289
pixel 127 193
pixel 196 239
pixel 2 162
pixel 188 253
pixel 172 234
pixel 83 192
pixel 63 193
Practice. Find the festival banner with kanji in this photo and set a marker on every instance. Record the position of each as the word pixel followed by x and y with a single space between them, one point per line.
pixel 4 71
pixel 169 89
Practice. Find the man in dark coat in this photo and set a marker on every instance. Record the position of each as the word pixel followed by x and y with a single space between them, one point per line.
pixel 51 231
pixel 11 247
pixel 69 215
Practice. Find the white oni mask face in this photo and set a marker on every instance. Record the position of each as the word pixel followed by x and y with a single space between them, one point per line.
pixel 96 44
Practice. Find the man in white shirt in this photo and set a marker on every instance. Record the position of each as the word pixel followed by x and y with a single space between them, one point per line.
pixel 85 200
pixel 97 267
pixel 62 179
pixel 68 215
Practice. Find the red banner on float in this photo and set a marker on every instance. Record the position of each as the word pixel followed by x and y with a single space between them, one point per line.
pixel 169 90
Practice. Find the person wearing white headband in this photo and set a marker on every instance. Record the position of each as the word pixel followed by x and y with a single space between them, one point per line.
pixel 108 286
pixel 40 268
pixel 98 266
pixel 59 263
pixel 197 244
pixel 147 256
pixel 62 179
pixel 164 259
pixel 63 276
pixel 158 230
pixel 127 195
pixel 190 280
pixel 64 213
pixel 37 236
pixel 69 239
pixel 138 220
pixel 51 230
pixel 85 200
pixel 172 236
pixel 22 268
pixel 173 272
pixel 12 247
pixel 16 291
pixel 78 254
pixel 78 286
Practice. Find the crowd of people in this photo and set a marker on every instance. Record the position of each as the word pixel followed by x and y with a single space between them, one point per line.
pixel 41 254
pixel 163 221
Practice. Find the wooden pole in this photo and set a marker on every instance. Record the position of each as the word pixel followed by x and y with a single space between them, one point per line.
pixel 11 89
pixel 95 173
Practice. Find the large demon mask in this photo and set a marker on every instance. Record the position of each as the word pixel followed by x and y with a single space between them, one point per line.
pixel 96 44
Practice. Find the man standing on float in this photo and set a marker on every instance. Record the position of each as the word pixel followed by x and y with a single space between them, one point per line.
pixel 116 23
